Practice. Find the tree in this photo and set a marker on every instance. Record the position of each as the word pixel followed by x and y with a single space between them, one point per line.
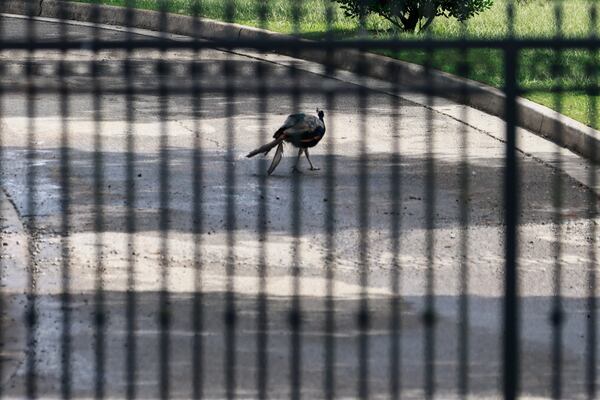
pixel 414 15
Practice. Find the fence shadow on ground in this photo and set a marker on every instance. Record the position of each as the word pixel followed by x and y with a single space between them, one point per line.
pixel 210 346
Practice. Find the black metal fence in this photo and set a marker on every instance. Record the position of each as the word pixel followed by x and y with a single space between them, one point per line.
pixel 438 252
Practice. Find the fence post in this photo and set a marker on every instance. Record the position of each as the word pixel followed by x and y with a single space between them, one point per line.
pixel 511 205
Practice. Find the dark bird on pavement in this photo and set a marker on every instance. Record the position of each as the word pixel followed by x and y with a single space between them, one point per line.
pixel 302 131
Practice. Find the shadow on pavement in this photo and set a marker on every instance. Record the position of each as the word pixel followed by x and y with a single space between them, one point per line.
pixel 209 345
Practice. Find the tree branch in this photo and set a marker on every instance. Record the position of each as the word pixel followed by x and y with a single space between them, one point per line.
pixel 426 25
pixel 393 20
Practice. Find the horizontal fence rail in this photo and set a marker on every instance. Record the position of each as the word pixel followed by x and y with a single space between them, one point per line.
pixel 291 44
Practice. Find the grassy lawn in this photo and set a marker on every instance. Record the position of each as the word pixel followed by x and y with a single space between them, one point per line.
pixel 540 70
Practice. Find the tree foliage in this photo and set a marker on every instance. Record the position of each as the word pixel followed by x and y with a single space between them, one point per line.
pixel 414 15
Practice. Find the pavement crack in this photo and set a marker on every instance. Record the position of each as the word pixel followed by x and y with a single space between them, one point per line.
pixel 539 129
pixel 30 233
pixel 193 131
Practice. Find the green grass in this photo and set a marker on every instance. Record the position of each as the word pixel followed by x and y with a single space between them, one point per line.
pixel 540 70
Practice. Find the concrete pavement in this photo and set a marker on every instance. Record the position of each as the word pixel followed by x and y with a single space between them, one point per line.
pixel 234 118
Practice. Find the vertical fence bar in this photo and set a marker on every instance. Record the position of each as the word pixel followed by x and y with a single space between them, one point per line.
pixel 262 322
pixel 592 214
pixel 363 221
pixel 31 313
pixel 511 216
pixel 464 69
pixel 198 215
pixel 395 228
pixel 131 218
pixel 556 315
pixel 330 325
pixel 99 297
pixel 65 200
pixel 429 316
pixel 463 301
pixel 230 225
pixel 295 316
pixel 164 214
pixel 330 198
pixel 363 314
pixel 295 313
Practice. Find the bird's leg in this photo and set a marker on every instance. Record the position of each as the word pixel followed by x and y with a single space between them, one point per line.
pixel 312 168
pixel 295 168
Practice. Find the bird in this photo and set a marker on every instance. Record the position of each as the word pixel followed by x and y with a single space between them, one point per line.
pixel 302 131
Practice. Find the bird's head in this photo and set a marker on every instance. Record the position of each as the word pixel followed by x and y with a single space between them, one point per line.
pixel 321 114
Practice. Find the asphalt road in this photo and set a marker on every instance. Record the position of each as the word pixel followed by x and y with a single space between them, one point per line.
pixel 134 155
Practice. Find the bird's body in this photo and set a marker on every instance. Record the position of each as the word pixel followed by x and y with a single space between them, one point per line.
pixel 301 130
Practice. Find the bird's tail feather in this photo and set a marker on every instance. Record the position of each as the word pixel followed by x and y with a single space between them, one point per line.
pixel 276 158
pixel 265 148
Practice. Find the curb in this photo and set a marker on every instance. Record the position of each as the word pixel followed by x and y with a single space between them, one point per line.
pixel 536 118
